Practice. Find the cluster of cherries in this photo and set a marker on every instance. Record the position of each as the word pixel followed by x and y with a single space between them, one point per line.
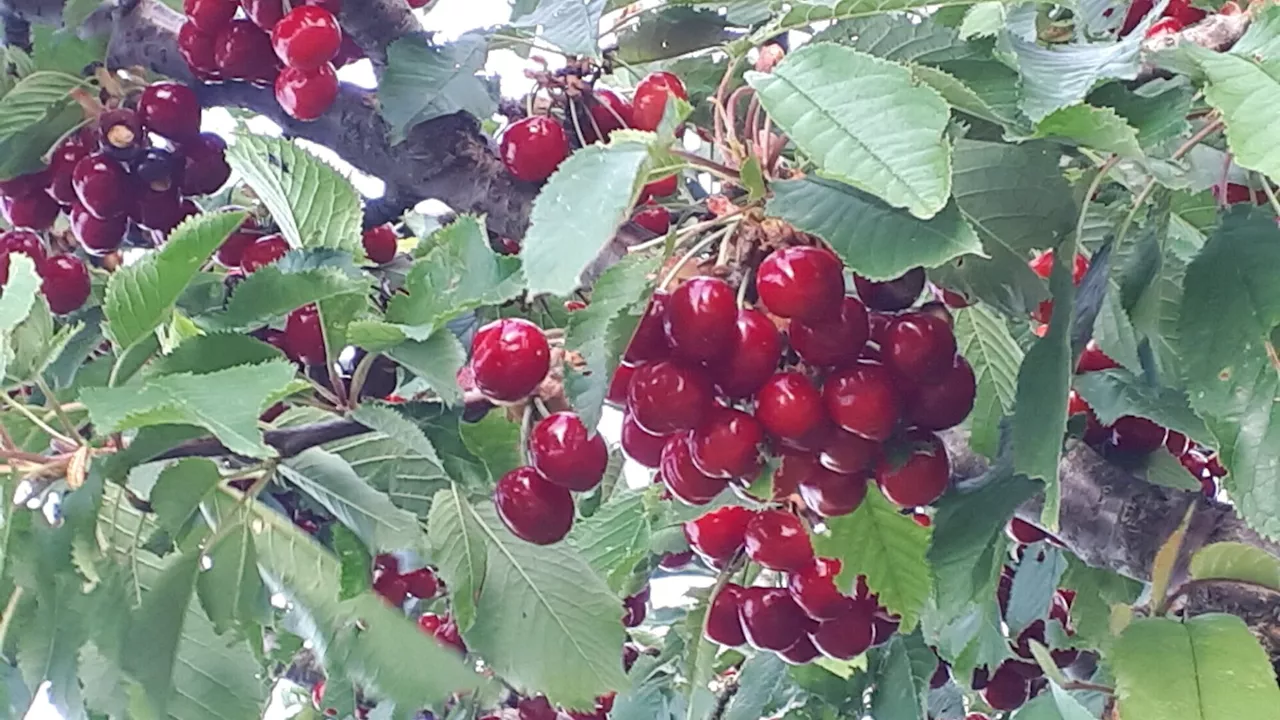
pixel 297 49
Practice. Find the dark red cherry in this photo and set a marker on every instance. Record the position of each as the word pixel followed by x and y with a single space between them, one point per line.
pixel 536 708
pixel 307 94
pixel 1042 265
pixel 675 561
pixel 771 620
pixel 718 535
pixel 682 478
pixel 231 252
pixel 170 109
pixel 242 51
pixel 789 406
pixel 1007 689
pixel 198 50
pixel 562 450
pixel 661 187
pixel 532 148
pixel 801 282
pixel 1024 532
pixel 304 336
pixel 393 589
pixel 814 589
pixel 752 358
pixel 64 282
pixel 834 341
pixel 510 357
pixel 206 165
pixel 726 444
pixel 802 652
pixel 941 675
pixel 385 564
pixel 919 478
pixel 264 13
pixel 891 295
pixel 98 237
pixel 848 634
pixel 61 165
pixel 919 347
pixel 380 243
pixel 263 252
pixel 159 210
pixel 36 211
pixel 778 540
pixel 641 445
pixel 649 341
pixel 306 38
pixel 634 608
pixel 700 317
pixel 1177 444
pixel 209 15
pixel 619 384
pixel 650 99
pixel 1137 435
pixel 654 218
pixel 794 469
pixel 533 509
pixel 101 185
pixel 608 112
pixel 422 583
pixel 1094 360
pixel 945 403
pixel 846 453
pixel 28 184
pixel 158 169
pixel 883 626
pixel 830 494
pixel 665 397
pixel 724 622
pixel 863 400
pixel 25 242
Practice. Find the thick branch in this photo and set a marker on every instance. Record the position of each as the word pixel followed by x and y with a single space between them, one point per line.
pixel 287 441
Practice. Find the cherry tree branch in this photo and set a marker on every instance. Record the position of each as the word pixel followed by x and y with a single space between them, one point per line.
pixel 287 441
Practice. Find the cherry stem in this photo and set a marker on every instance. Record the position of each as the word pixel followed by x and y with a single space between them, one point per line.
pixel 10 609
pixel 698 247
pixel 359 375
pixel 714 167
pixel 541 407
pixel 526 425
pixel 1186 147
pixel 36 420
pixel 51 400
pixel 1271 194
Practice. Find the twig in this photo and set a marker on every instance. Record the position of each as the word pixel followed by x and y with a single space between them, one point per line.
pixel 720 169
pixel 287 441
pixel 1189 586
pixel 1089 687
pixel 52 400
pixel 698 247
pixel 1186 147
pixel 10 609
pixel 36 420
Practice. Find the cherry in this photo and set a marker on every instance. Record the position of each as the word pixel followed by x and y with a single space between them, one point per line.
pixel 665 397
pixel 510 357
pixel 206 165
pixel 61 164
pixel 533 147
pixel 380 243
pixel 121 133
pixel 848 634
pixel 101 185
pixel 752 357
pixel 231 252
pixel 662 187
pixel 1164 26
pixel 443 630
pixel 793 470
pixel 801 282
pixel 24 185
pixel 304 336
pixel 198 50
pixel 392 588
pixel 814 589
pixel 98 237
pixel 618 384
pixel 306 94
pixel 863 400
pixel 64 282
pixel 561 448
pixel 941 675
pixel 675 561
pixel 608 112
pixel 830 494
pixel 1023 532
pixel 1042 266
pixel 159 210
pixel 170 109
pixel 718 535
pixel 883 626
pixel 317 694
pixel 802 652
pixel 209 15
pixel 422 583
pixel 1137 435
pixel 726 445
pixel 536 708
pixel 654 218
pixel 533 509
pixel 724 625
pixel 263 252
pixel 945 402
pixel 640 445
pixel 778 540
pixel 789 406
pixel 25 242
pixel 634 608
pixel 650 99
pixel 306 38
pixel 264 13
pixel 919 347
pixel 919 479
pixel 242 51
pixel 649 341
pixel 37 211
pixel 1007 689
pixel 158 169
pixel 682 478
pixel 892 295
pixel 385 564
pixel 700 317
pixel 832 342
pixel 847 453
pixel 771 620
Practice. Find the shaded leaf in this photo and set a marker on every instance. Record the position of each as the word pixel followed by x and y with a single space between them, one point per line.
pixel 423 81
pixel 230 589
pixel 1061 75
pixel 571 25
pixel 985 341
pixel 34 115
pixel 155 630
pixel 1034 585
pixel 460 551
pixel 436 361
pixel 1236 561
pixel 1092 127
pixel 270 292
pixel 1115 393
pixel 180 489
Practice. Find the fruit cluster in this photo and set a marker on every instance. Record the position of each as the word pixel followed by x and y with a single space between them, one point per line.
pixel 64 279
pixel 257 41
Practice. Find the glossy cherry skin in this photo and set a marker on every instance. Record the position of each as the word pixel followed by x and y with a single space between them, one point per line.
pixel 560 449
pixel 206 167
pixel 608 112
pixel 1042 265
pixel 665 397
pixel 618 385
pixel 1007 689
pixel 847 635
pixel 64 282
pixel 1177 444
pixel 264 13
pixel 198 50
pixel 634 608
pixel 835 341
pixel 726 444
pixel 650 99
pixel 170 109
pixel 23 241
pixel 649 341
pixel 830 494
pixel 641 445
pixel 159 210
pixel 1094 360
pixel 754 351
pixel 778 540
pixel 891 295
pixel 771 620
pixel 814 589
pixel 682 478
pixel 510 357
pixel 231 251
pixel 1137 435
pixel 422 583
pixel 863 400
pixel 662 187
pixel 242 51
pixel 883 626
pixel 306 94
pixel 700 317
pixel 724 623
pixel 533 509
pixel 97 237
pixel 209 15
pixel 789 406
pixel 654 218
pixel 1024 532
pixel 945 403
pixel 847 453
pixel 919 347
pixel 536 708
pixel 61 164
pixel 391 588
pixel 801 282
pixel 801 652
pixel 921 477
pixel 264 251
pixel 306 38
pixel 101 185
pixel 718 535
pixel 36 211
pixel 532 148
pixel 304 336
pixel 380 243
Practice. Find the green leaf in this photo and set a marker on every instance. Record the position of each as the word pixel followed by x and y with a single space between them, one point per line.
pixel 64 50
pixel 615 539
pixel 1164 469
pixel 311 202
pixel 971 640
pixel 899 38
pixel 984 340
pixel 75 12
pixel 1242 89
pixel 1207 668
pixel 671 32
pixel 180 489
pixel 409 480
pixel 753 179
pixel 1115 393
pixel 436 361
pixel 423 81
pixel 1057 704
pixel 50 639
pixel 1158 110
pixel 1034 585
pixel 1092 127
pixel 231 590
pixel 1061 75
pixel 801 14
pixel 902 669
pixel 888 548
pixel 495 440
pixel 399 430
pixel 1096 591
pixel 759 679
pixel 18 297
pixel 356 562
pixel 1236 561
pixel 570 25
pixel 269 293
pixel 459 549
pixel 890 143
pixel 155 630
pixel 985 89
pixel 34 115
pixel 577 213
pixel 212 352
pixel 139 296
pixel 226 403
pixel 873 239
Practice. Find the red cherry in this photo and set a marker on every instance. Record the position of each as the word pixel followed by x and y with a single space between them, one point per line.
pixel 198 50
pixel 718 535
pixel 922 519
pixel 801 282
pixel 61 165
pixel 242 51
pixel 380 243
pixel 883 627
pixel 1137 435
pixel 752 358
pixel 430 623
pixel 649 341
pixel 794 469
pixel 170 109
pixel 814 589
pixel 891 295
pixel 306 38
pixel 263 252
pixel 682 478
pixel 1094 360
pixel 919 479
pixel 206 165
pixel 209 15
pixel 640 445
pixel 98 237
pixel 700 317
pixel 650 99
pixel 536 708
pixel 919 347
pixel 25 242
pixel 863 400
pixel 726 444
pixel 724 624
pixel 619 384
pixel 634 608
pixel 1007 689
pixel 1023 532
pixel 830 494
pixel 1176 443
pixel 231 251
pixel 675 561
pixel 159 210
pixel 945 403
pixel 37 211
pixel 847 635
pixel 533 147
pixel 385 564
pixel 832 342
pixel 654 218
pixel 422 583
pixel 306 94
pixel 317 694
pixel 392 588
pixel 665 397
pixel 64 282
pixel 24 185
pixel 771 620
pixel 1185 12
pixel 264 13
pixel 847 453
pixel 789 406
pixel 510 358
pixel 101 185
pixel 662 187
pixel 533 509
pixel 560 449
pixel 304 336
pixel 802 652
pixel 1042 266
pixel 778 540
pixel 608 112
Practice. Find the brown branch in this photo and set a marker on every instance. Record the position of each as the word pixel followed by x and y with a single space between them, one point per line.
pixel 287 441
